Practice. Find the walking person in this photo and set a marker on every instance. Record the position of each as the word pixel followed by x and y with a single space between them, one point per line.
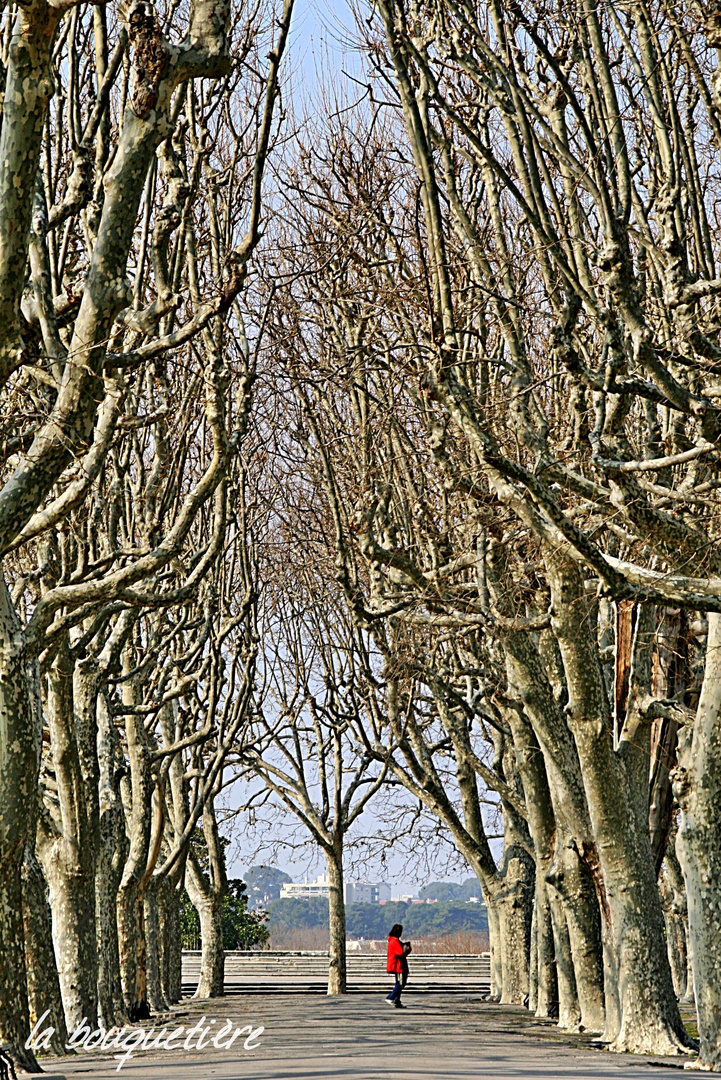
pixel 394 965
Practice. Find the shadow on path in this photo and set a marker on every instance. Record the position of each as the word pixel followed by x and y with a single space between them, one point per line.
pixel 360 1038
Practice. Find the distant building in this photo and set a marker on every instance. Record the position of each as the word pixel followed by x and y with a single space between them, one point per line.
pixel 366 892
pixel 305 890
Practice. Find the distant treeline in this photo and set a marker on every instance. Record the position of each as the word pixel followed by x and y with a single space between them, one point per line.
pixel 375 920
pixel 451 890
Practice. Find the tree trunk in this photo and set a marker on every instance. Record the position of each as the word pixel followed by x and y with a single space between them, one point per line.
pixel 514 886
pixel 175 957
pixel 137 803
pixel 156 998
pixel 111 1004
pixel 42 973
pixel 569 1009
pixel 697 786
pixel 572 882
pixel 336 921
pixel 669 679
pixel 170 940
pixel 533 967
pixel 209 905
pixel 514 904
pixel 494 944
pixel 543 984
pixel 165 930
pixel 68 857
pixel 547 1004
pixel 675 935
pixel 14 1013
pixel 177 806
pixel 72 901
pixel 690 995
pixel 207 895
pixel 18 783
pixel 542 696
pixel 131 947
pixel 664 737
pixel 112 851
pixel 648 1019
pixel 675 877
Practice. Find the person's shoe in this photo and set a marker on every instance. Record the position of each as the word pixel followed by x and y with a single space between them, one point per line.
pixel 390 1001
pixel 399 1006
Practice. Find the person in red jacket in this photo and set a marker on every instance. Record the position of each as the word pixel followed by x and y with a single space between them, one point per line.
pixel 395 965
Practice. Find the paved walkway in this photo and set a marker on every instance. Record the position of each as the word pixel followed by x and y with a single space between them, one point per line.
pixel 360 1038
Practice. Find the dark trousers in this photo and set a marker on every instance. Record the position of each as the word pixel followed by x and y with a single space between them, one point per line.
pixel 395 994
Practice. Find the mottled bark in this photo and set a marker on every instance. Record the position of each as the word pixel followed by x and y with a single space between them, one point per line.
pixel 547 998
pixel 42 974
pixel 494 944
pixel 569 1008
pixel 170 941
pixel 647 1019
pixel 669 680
pixel 208 902
pixel 112 850
pixel 543 984
pixel 207 893
pixel 664 737
pixel 675 934
pixel 83 880
pixel 153 947
pixel 131 946
pixel 28 88
pixel 533 963
pixel 175 953
pixel 169 899
pixel 634 736
pixel 157 69
pixel 72 901
pixel 66 848
pixel 567 874
pixel 578 930
pixel 69 428
pixel 336 917
pixel 675 877
pixel 18 782
pixel 514 907
pixel 514 886
pixel 697 786
pixel 137 805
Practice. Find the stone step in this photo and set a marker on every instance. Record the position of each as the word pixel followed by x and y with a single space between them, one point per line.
pixel 297 972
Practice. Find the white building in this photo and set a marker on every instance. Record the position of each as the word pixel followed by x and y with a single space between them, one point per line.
pixel 304 890
pixel 367 892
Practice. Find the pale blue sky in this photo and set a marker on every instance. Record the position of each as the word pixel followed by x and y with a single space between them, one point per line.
pixel 320 47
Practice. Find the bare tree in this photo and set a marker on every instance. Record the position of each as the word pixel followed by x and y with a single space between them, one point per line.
pixel 303 749
pixel 104 120
pixel 513 430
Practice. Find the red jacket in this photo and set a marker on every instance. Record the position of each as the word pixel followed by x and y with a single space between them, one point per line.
pixel 395 952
